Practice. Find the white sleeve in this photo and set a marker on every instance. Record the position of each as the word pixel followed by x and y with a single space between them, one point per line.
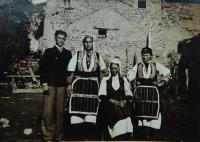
pixel 72 63
pixel 127 89
pixel 163 70
pixel 131 75
pixel 101 63
pixel 103 86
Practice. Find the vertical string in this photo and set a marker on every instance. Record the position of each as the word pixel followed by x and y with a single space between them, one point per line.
pixel 82 98
pixel 144 99
pixel 79 98
pixel 86 99
pixel 147 109
pixel 73 102
pixel 90 90
pixel 150 98
pixel 141 100
pixel 92 105
pixel 153 98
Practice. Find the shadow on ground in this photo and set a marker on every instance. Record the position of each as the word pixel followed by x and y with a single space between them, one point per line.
pixel 24 111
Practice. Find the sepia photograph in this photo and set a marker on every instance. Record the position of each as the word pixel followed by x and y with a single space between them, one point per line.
pixel 99 70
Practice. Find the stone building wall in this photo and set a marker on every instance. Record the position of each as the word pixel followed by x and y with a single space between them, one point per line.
pixel 167 24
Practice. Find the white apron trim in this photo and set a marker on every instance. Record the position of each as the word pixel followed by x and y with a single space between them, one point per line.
pixel 121 127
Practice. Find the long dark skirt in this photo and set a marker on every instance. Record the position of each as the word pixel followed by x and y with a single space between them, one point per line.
pixel 115 113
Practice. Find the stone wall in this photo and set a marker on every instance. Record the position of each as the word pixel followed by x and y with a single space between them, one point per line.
pixel 167 24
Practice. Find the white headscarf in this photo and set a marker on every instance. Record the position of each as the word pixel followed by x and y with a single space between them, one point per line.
pixel 92 62
pixel 116 61
pixel 115 79
pixel 89 36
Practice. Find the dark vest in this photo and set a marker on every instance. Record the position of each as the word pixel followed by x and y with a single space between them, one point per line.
pixel 143 81
pixel 118 94
pixel 79 66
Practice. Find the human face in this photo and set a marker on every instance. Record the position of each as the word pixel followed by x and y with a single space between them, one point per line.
pixel 60 40
pixel 146 57
pixel 88 44
pixel 114 69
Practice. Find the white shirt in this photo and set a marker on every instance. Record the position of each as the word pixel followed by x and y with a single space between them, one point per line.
pixel 73 62
pixel 131 75
pixel 60 48
pixel 115 82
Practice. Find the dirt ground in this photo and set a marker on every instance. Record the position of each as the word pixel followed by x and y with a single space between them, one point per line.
pixel 24 111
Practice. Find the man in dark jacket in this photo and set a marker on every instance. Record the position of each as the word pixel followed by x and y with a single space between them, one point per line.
pixel 53 76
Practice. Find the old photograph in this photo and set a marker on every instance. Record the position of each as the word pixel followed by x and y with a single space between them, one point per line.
pixel 99 70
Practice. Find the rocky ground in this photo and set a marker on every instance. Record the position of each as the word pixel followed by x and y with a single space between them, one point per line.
pixel 24 112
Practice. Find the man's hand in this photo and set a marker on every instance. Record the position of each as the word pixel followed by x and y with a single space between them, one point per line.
pixel 45 88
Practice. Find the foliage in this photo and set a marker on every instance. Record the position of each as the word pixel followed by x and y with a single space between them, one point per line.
pixel 14 42
pixel 13 46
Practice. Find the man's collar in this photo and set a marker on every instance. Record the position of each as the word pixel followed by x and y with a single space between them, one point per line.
pixel 59 47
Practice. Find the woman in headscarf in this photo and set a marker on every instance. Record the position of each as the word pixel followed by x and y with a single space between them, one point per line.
pixel 115 96
pixel 145 73
pixel 86 63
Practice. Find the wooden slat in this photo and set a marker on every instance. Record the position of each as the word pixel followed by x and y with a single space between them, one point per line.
pixel 18 76
pixel 32 74
pixel 20 91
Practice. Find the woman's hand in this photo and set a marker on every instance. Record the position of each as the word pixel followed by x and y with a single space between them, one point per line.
pixel 69 89
pixel 105 73
pixel 123 103
pixel 162 83
pixel 114 102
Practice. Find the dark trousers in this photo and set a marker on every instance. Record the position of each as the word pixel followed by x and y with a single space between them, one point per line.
pixel 53 113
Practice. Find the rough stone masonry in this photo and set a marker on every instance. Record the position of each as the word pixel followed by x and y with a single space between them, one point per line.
pixel 167 24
